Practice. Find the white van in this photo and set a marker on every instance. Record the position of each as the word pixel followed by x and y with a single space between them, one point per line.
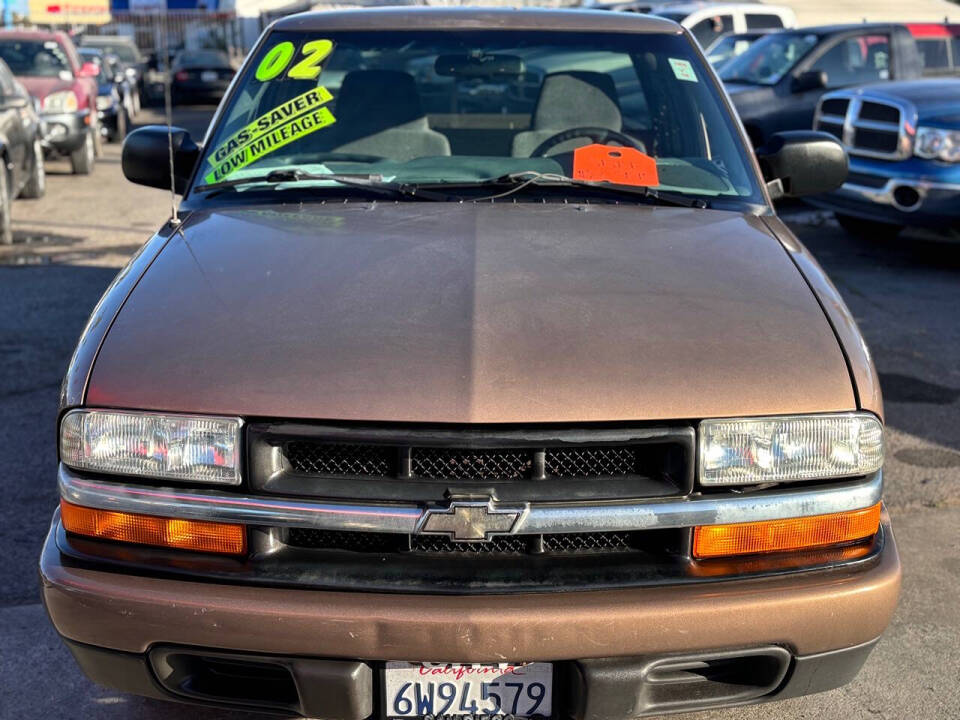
pixel 709 20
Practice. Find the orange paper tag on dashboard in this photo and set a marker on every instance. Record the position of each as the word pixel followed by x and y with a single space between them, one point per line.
pixel 611 163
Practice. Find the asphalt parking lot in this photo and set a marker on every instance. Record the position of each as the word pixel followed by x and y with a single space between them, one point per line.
pixel 905 295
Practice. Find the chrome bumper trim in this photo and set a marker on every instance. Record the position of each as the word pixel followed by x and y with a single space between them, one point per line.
pixel 537 518
pixel 884 195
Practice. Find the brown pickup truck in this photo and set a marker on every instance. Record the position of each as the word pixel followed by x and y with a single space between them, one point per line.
pixel 476 377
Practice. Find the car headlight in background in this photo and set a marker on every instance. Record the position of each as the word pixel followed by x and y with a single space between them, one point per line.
pixel 935 143
pixel 167 447
pixel 104 102
pixel 60 102
pixel 750 451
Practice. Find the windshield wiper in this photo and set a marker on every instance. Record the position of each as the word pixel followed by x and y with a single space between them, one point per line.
pixel 367 181
pixel 517 181
pixel 739 79
pixel 439 191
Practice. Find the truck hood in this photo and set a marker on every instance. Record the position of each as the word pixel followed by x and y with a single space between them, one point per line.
pixel 752 100
pixel 40 87
pixel 465 313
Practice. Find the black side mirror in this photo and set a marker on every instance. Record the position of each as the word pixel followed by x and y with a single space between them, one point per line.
pixel 809 80
pixel 146 157
pixel 802 162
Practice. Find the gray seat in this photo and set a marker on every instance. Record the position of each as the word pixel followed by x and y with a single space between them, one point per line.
pixel 379 113
pixel 569 100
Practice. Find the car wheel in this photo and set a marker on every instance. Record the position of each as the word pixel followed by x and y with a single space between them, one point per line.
pixel 121 132
pixel 97 139
pixel 6 202
pixel 37 182
pixel 82 159
pixel 868 229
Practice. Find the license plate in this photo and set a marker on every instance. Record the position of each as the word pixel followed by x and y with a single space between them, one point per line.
pixel 438 689
pixel 208 76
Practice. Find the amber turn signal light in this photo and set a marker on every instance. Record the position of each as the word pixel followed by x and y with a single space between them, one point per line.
pixel 800 533
pixel 211 537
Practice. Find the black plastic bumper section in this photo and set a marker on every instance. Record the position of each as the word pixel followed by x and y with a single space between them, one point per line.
pixel 596 689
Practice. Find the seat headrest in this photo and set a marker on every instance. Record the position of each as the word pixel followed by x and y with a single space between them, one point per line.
pixel 577 99
pixel 370 101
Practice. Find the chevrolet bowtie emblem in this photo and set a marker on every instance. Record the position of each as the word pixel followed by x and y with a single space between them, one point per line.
pixel 463 520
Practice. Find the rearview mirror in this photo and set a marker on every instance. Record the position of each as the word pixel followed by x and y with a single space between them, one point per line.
pixel 146 158
pixel 809 80
pixel 478 65
pixel 802 162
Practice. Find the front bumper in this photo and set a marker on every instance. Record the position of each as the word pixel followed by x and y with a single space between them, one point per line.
pixel 913 192
pixel 597 636
pixel 66 132
pixel 108 118
pixel 592 689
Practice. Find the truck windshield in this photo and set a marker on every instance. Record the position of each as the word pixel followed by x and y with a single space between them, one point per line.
pixel 769 58
pixel 38 58
pixel 460 107
pixel 126 52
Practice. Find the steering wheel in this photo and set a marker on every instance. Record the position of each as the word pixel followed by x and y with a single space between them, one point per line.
pixel 597 134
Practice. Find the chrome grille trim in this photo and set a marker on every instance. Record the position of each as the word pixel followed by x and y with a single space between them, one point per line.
pixel 538 519
pixel 903 131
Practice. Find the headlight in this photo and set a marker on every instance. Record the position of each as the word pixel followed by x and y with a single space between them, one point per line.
pixel 174 447
pixel 935 143
pixel 789 449
pixel 60 102
pixel 104 102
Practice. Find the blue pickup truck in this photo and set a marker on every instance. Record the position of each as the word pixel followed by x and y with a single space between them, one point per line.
pixel 903 139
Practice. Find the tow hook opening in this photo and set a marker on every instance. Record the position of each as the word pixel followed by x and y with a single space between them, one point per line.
pixel 227 680
pixel 906 198
pixel 685 683
pixel 312 687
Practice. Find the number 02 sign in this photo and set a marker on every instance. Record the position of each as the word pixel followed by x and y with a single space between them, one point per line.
pixel 280 61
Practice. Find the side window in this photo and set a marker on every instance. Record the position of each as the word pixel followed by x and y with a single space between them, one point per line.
pixel 706 31
pixel 763 22
pixel 856 60
pixel 934 52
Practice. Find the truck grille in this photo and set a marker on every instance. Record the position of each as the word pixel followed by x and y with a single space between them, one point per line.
pixel 388 543
pixel 467 464
pixel 337 459
pixel 430 466
pixel 871 128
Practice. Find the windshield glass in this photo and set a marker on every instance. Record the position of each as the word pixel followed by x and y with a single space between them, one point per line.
pixel 769 58
pixel 125 52
pixel 202 58
pixel 456 107
pixel 727 48
pixel 40 58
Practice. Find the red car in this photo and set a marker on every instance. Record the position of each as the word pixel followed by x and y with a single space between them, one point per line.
pixel 48 65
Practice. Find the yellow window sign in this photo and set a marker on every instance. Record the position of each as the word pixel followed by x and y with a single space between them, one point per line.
pixel 280 126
